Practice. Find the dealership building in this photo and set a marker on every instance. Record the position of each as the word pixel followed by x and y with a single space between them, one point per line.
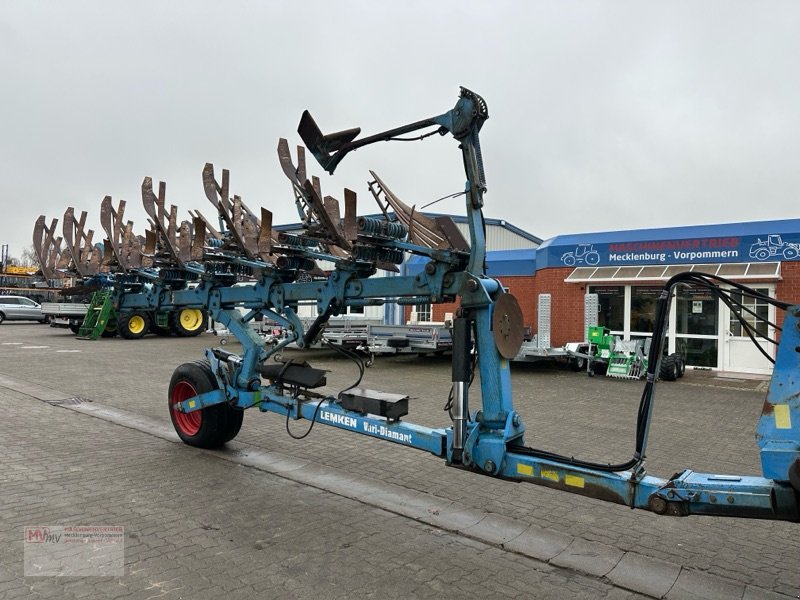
pixel 627 271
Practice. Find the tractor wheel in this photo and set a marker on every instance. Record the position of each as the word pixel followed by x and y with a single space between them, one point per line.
pixel 669 368
pixel 188 322
pixel 110 329
pixel 133 326
pixel 74 327
pixel 210 427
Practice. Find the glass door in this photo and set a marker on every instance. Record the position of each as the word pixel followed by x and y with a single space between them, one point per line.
pixel 741 355
pixel 697 327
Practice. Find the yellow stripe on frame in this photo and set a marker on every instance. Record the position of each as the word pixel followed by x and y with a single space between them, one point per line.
pixel 783 418
pixel 525 470
pixel 551 475
pixel 574 481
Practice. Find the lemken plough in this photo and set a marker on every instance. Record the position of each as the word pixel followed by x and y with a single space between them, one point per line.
pixel 336 262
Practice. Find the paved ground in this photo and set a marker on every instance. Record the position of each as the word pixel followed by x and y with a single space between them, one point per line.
pixel 700 422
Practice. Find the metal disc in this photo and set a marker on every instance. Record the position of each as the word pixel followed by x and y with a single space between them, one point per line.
pixel 507 325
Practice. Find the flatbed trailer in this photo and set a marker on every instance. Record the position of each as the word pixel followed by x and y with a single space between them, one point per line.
pixel 419 338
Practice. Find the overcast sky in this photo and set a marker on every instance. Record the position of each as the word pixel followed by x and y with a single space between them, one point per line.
pixel 603 115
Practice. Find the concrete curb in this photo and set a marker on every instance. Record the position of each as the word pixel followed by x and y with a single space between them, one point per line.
pixel 649 576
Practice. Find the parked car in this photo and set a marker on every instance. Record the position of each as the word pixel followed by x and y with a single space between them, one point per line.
pixel 19 308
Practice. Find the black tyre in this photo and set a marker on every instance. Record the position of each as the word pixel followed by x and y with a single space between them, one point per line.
pixel 578 363
pixel 669 368
pixel 2 317
pixel 599 368
pixel 110 329
pixel 133 325
pixel 681 364
pixel 188 322
pixel 210 427
pixel 74 327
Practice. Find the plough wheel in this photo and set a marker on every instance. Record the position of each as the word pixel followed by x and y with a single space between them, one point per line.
pixel 133 326
pixel 189 322
pixel 210 427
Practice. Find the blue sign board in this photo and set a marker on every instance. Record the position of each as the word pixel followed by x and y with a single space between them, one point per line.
pixel 734 243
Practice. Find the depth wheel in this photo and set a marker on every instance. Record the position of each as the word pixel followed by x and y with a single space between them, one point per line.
pixel 210 427
pixel 188 322
pixel 133 326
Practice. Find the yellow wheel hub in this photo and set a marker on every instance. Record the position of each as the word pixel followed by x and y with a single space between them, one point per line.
pixel 191 319
pixel 136 324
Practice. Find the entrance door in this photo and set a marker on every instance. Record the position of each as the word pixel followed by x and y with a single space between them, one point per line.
pixel 741 355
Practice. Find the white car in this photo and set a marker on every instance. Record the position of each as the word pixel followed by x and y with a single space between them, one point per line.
pixel 19 308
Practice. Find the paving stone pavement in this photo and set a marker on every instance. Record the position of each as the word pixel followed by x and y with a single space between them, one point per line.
pixel 699 423
pixel 197 528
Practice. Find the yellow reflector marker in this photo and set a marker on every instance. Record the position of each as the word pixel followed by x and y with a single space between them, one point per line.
pixel 525 470
pixel 574 481
pixel 551 475
pixel 192 403
pixel 783 419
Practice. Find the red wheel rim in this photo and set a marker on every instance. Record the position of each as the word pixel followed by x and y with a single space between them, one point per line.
pixel 188 423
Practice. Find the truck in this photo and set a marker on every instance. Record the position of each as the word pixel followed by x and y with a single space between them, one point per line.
pixel 66 314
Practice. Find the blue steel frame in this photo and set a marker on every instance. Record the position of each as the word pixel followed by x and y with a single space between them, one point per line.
pixel 496 431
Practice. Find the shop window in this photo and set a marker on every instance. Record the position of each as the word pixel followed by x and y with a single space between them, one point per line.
pixel 611 309
pixel 697 312
pixel 644 300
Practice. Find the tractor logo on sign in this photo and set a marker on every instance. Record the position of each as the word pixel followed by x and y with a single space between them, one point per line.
pixel 774 247
pixel 583 254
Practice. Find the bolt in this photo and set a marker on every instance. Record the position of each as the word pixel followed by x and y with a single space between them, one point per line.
pixel 516 420
pixel 713 499
pixel 472 285
pixel 488 466
pixel 430 268
pixel 730 499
